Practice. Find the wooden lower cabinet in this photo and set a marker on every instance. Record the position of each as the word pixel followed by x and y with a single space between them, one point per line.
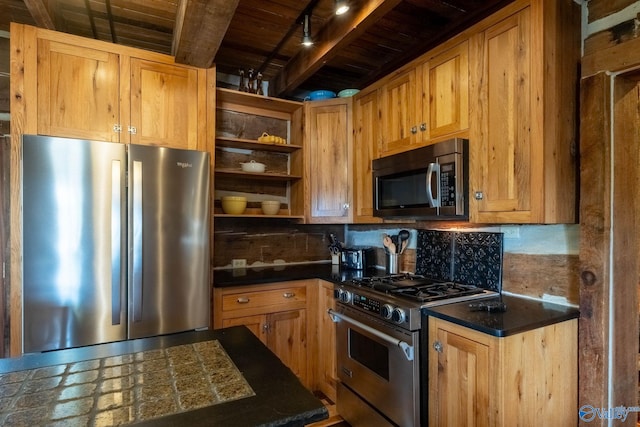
pixel 323 358
pixel 526 379
pixel 275 313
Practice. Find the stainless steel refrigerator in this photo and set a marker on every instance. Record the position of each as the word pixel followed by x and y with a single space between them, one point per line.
pixel 115 242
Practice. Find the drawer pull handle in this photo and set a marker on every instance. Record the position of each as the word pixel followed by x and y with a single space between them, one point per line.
pixel 289 294
pixel 242 300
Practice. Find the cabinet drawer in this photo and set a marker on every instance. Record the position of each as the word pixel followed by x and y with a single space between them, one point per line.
pixel 270 298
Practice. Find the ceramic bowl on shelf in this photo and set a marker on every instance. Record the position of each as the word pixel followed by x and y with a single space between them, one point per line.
pixel 317 95
pixel 253 166
pixel 347 93
pixel 234 205
pixel 270 207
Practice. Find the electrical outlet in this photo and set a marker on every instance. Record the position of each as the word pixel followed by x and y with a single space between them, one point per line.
pixel 511 232
pixel 238 263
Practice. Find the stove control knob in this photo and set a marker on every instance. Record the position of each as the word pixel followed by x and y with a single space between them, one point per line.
pixel 398 315
pixel 345 296
pixel 386 311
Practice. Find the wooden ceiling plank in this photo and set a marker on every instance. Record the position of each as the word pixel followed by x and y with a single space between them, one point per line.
pixel 40 14
pixel 199 30
pixel 335 35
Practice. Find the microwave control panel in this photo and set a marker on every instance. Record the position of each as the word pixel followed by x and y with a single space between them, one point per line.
pixel 448 184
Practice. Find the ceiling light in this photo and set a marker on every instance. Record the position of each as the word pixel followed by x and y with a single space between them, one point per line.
pixel 341 6
pixel 306 32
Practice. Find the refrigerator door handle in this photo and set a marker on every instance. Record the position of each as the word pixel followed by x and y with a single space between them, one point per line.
pixel 136 225
pixel 116 242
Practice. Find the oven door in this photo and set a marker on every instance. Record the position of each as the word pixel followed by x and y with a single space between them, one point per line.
pixel 379 363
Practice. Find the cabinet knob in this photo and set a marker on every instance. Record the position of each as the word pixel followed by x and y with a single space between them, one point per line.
pixel 414 130
pixel 266 327
pixel 479 195
pixel 437 346
pixel 423 127
pixel 289 294
pixel 242 300
pixel 346 206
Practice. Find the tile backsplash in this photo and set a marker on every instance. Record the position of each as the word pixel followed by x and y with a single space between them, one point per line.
pixel 473 258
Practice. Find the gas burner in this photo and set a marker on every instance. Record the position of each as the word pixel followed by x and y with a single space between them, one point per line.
pixel 415 287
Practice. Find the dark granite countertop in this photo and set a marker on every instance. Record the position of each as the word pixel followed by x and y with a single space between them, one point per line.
pixel 262 392
pixel 286 272
pixel 522 314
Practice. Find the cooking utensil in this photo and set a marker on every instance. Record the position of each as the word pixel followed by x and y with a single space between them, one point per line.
pixel 403 235
pixel 387 241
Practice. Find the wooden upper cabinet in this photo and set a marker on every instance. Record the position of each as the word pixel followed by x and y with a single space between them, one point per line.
pixel 426 101
pixel 399 114
pixel 102 91
pixel 523 107
pixel 365 148
pixel 445 92
pixel 78 91
pixel 328 152
pixel 164 104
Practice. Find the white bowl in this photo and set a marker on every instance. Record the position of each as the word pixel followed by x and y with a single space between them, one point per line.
pixel 270 207
pixel 253 166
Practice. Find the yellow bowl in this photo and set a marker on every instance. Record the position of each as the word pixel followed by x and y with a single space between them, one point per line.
pixel 234 205
pixel 270 207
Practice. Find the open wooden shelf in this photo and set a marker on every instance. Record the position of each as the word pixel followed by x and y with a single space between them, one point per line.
pixel 251 144
pixel 256 175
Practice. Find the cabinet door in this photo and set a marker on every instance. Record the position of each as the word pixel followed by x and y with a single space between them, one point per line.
pixel 445 90
pixel 164 104
pixel 459 377
pixel 78 91
pixel 287 338
pixel 325 359
pixel 505 163
pixel 365 149
pixel 399 110
pixel 256 324
pixel 328 153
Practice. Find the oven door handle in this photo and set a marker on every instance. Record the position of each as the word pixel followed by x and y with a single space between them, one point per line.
pixel 406 348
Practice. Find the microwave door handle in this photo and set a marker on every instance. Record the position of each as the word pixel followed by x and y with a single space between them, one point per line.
pixel 434 168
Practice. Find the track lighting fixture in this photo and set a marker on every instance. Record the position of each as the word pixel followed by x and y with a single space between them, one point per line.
pixel 341 6
pixel 306 31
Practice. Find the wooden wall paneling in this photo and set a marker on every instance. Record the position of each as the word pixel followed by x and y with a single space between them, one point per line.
pixel 521 275
pixel 599 9
pixel 608 244
pixel 595 166
pixel 626 239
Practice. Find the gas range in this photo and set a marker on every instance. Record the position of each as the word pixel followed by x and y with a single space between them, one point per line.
pixel 398 298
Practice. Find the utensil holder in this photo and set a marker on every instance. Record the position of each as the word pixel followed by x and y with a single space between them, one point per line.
pixel 392 263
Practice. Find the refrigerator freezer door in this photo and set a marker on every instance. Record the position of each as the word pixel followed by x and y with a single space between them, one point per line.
pixel 168 240
pixel 74 272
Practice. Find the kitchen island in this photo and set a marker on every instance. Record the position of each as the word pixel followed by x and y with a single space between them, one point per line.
pixel 224 377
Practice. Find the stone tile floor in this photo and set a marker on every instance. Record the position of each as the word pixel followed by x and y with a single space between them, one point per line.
pixel 123 389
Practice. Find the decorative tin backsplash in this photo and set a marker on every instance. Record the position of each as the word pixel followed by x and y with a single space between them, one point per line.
pixel 472 258
pixel 434 254
pixel 477 259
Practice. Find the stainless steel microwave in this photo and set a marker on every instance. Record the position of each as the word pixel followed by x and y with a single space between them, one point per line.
pixel 429 182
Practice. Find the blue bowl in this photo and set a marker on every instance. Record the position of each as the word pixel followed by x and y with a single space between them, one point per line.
pixel 321 94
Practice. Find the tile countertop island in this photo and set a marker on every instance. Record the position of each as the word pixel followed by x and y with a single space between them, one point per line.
pixel 225 377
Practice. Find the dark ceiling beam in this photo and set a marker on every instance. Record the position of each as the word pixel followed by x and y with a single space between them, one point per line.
pixel 199 30
pixel 40 14
pixel 337 34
